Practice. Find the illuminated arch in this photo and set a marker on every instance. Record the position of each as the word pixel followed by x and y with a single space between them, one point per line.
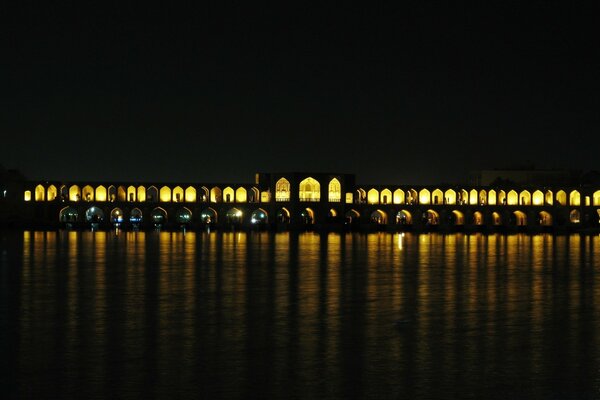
pixel 352 216
pixel 492 197
pixel 437 197
pixel 310 190
pixel 335 191
pixel 88 193
pixel 259 216
pixel 473 197
pixel 241 195
pixel 141 194
pixel 40 193
pixel 215 195
pixel 282 190
pixel 307 216
pixel 431 217
pixel 458 218
pixel 158 216
pixel 520 218
pixel 512 198
pixel 131 194
pixel 27 195
pixel 361 195
pixel 116 216
pixel 332 213
pixel 349 198
pixel 574 217
pixel 596 198
pixel 574 198
pixel 496 219
pixel 525 198
pixel 483 197
pixel 204 194
pixel 135 217
pixel 52 193
pixel 112 193
pixel 502 197
pixel 74 193
pixel 165 194
pixel 412 196
pixel 283 215
pixel 208 216
pixel 68 214
pixel 228 195
pixel 121 193
pixel 177 194
pixel 548 197
pixel 234 216
pixel 464 197
pixel 373 196
pixel 183 216
pixel 190 194
pixel 94 214
pixel 561 197
pixel 386 196
pixel 545 218
pixel 379 217
pixel 152 194
pixel 537 199
pixel 424 196
pixel 399 196
pixel 101 194
pixel 255 197
pixel 404 217
pixel 450 197
pixel 477 218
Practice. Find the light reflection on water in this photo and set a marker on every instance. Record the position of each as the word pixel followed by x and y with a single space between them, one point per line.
pixel 237 315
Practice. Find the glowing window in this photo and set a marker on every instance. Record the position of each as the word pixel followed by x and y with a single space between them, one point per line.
pixel 398 196
pixel 178 194
pixel 241 196
pixel 574 198
pixel 373 196
pixel 40 192
pixel 482 197
pixel 437 197
pixel 386 196
pixel 121 193
pixel 27 195
pixel 100 193
pixel 141 193
pixel 335 191
pixel 74 193
pixel 512 198
pixel 88 193
pixel 228 195
pixel 561 198
pixel 473 197
pixel 215 195
pixel 548 197
pixel 349 198
pixel 424 196
pixel 131 192
pixel 310 190
pixel 450 196
pixel 596 197
pixel 525 198
pixel 492 197
pixel 282 190
pixel 165 194
pixel 52 193
pixel 190 194
pixel 538 198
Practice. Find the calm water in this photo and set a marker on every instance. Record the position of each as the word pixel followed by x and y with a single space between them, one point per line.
pixel 259 315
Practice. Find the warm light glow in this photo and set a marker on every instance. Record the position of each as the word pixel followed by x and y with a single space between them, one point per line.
pixel 190 194
pixel 424 196
pixel 141 194
pixel 228 195
pixel 349 198
pixel 373 196
pixel 255 194
pixel 399 196
pixel 574 198
pixel 545 218
pixel 512 198
pixel 404 217
pixel 121 193
pixel 335 191
pixel 178 194
pixel 450 196
pixel 40 192
pixel 27 195
pixel 502 197
pixel 473 200
pixel 215 195
pixel 131 192
pixel 74 194
pixel 492 197
pixel 574 217
pixel 282 190
pixel 432 217
pixel 241 196
pixel 101 193
pixel 496 218
pixel 379 217
pixel 165 194
pixel 386 196
pixel 537 198
pixel 520 218
pixel 478 218
pixel 525 198
pixel 88 193
pixel 561 198
pixel 459 218
pixel 52 193
pixel 596 198
pixel 482 197
pixel 310 190
pixel 437 197
pixel 549 198
pixel 265 197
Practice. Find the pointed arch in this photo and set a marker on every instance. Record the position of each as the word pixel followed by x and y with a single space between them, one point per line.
pixel 512 199
pixel 478 218
pixel 228 195
pixel 413 196
pixel 52 193
pixel 373 196
pixel 101 194
pixel 215 195
pixel 549 197
pixel 379 217
pixel 307 216
pixel 259 216
pixel 177 195
pixel 458 218
pixel 204 194
pixel 404 217
pixel 183 216
pixel 361 195
pixel 399 196
pixel 141 193
pixel 74 193
pixel 574 216
pixel 241 195
pixel 88 193
pixel 386 196
pixel 545 218
pixel 424 196
pixel 152 194
pixel 165 194
pixel 496 219
pixel 159 215
pixel 520 218
pixel 352 216
pixel 190 194
pixel 483 198
pixel 595 201
pixel 335 191
pixel 112 193
pixel 282 190
pixel 283 215
pixel 473 197
pixel 561 198
pixel 502 197
pixel 449 197
pixel 492 198
pixel 437 197
pixel 131 193
pixel 121 193
pixel 431 217
pixel 574 198
pixel 40 193
pixel 310 190
pixel 525 198
pixel 255 195
pixel 209 216
pixel 537 199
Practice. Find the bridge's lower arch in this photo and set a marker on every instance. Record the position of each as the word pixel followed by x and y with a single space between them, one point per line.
pixel 379 217
pixel 135 217
pixel 574 216
pixel 520 218
pixel 183 216
pixel 352 216
pixel 208 216
pixel 116 216
pixel 283 216
pixel 158 216
pixel 259 216
pixel 478 218
pixel 545 218
pixel 457 218
pixel 431 217
pixel 307 216
pixel 68 214
pixel 332 213
pixel 496 219
pixel 94 214
pixel 233 216
pixel 404 218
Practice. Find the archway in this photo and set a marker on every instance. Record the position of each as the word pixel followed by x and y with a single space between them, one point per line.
pixel 310 190
pixel 52 193
pixel 233 216
pixel 68 214
pixel 101 193
pixel 478 218
pixel 158 216
pixel 574 217
pixel 208 216
pixel 335 191
pixel 282 190
pixel 307 216
pixel 379 217
pixel 496 219
pixel 520 218
pixel 457 218
pixel 135 217
pixel 116 216
pixel 259 217
pixel 545 218
pixel 373 196
pixel 352 216
pixel 40 193
pixel 94 215
pixel 241 195
pixel 183 216
pixel 404 217
pixel 431 217
pixel 283 215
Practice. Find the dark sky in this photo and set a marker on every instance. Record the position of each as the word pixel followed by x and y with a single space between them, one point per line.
pixel 414 93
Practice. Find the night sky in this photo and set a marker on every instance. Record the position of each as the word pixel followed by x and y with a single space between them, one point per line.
pixel 415 93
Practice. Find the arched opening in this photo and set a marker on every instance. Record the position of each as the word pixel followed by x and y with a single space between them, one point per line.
pixel 378 217
pixel 74 193
pixel 549 197
pixel 545 218
pixel 310 190
pixel 574 198
pixel 399 196
pixel 335 191
pixel 424 196
pixel 404 217
pixel 352 216
pixel 282 190
pixel 68 214
pixel 158 216
pixel 40 193
pixel 215 195
pixel 373 196
pixel 283 216
pixel 94 215
pixel 537 199
pixel 482 197
pixel 208 216
pixel 512 199
pixel 437 197
pixel 116 216
pixel 561 198
pixel 233 216
pixel 477 218
pixel 386 196
pixel 496 219
pixel 88 193
pixel 190 194
pixel 431 217
pixel 52 193
pixel 121 193
pixel 178 194
pixel 412 197
pixel 141 194
pixel 64 193
pixel 112 193
pixel 457 218
pixel 332 213
pixel 152 194
pixel 241 196
pixel 463 197
pixel 307 216
pixel 473 197
pixel 254 195
pixel 520 218
pixel 135 217
pixel 574 217
pixel 101 194
pixel 165 194
pixel 596 198
pixel 204 194
pixel 228 195
pixel 183 216
pixel 259 217
pixel 449 197
pixel 361 196
pixel 131 192
pixel 492 197
pixel 502 197
pixel 27 195
pixel 525 198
